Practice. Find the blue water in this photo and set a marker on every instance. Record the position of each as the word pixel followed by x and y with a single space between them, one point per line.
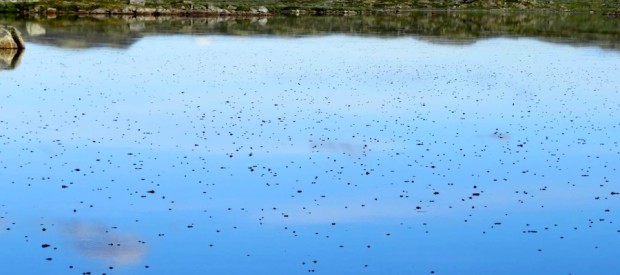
pixel 330 155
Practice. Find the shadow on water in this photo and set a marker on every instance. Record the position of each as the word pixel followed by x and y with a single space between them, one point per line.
pixel 435 27
pixel 10 58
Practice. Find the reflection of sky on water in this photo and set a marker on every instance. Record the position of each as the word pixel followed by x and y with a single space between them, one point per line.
pixel 238 154
pixel 99 242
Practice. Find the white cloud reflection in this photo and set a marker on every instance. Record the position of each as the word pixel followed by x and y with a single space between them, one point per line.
pixel 203 42
pixel 96 241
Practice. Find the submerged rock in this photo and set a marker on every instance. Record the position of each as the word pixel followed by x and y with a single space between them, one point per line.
pixel 10 58
pixel 34 29
pixel 11 38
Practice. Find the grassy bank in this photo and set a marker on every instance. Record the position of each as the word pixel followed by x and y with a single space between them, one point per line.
pixel 269 7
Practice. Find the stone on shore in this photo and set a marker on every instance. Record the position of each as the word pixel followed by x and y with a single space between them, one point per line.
pixel 262 9
pixel 137 2
pixel 11 38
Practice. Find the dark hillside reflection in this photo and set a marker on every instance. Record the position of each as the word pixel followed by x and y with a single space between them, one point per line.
pixel 436 27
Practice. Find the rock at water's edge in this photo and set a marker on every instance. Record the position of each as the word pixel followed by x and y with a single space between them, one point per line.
pixel 262 9
pixel 11 38
pixel 137 2
pixel 6 40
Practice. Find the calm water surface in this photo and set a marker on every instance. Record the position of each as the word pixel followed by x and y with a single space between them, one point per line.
pixel 330 154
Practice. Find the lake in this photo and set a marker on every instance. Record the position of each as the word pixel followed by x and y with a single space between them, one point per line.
pixel 426 143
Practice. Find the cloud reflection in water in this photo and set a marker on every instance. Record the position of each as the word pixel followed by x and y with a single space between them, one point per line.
pixel 95 241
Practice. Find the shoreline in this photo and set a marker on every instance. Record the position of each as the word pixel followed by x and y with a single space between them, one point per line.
pixel 141 12
pixel 257 9
pixel 455 27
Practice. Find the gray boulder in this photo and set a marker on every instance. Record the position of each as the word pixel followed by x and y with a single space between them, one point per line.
pixel 262 9
pixel 137 2
pixel 11 38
